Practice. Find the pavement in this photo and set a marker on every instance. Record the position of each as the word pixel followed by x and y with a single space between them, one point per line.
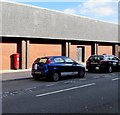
pixel 12 71
pixel 6 75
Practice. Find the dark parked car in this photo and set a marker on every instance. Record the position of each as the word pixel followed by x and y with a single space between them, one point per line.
pixel 107 63
pixel 53 67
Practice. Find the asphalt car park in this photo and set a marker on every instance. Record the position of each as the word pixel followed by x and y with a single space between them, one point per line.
pixel 29 83
pixel 96 92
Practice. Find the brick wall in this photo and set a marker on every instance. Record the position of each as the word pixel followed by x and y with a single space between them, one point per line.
pixel 39 50
pixel 7 50
pixel 105 50
pixel 73 52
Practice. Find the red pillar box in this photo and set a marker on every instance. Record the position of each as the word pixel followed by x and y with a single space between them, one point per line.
pixel 16 60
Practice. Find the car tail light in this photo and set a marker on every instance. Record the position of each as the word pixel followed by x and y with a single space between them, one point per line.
pixel 48 61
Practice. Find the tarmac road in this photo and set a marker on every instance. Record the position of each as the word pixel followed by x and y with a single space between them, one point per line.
pixel 96 93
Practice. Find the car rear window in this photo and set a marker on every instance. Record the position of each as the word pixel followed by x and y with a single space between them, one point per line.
pixel 41 60
pixel 96 58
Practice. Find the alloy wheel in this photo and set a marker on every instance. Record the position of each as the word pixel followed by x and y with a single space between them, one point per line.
pixel 55 77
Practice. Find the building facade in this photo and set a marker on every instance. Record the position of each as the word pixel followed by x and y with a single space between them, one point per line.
pixel 34 32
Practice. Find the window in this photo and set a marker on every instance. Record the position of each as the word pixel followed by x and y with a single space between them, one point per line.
pixel 116 58
pixel 94 58
pixel 58 60
pixel 68 60
pixel 109 58
pixel 43 60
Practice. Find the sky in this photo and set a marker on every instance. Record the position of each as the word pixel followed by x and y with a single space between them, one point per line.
pixel 106 10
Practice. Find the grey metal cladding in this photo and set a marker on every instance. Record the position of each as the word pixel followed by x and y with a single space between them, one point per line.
pixel 27 21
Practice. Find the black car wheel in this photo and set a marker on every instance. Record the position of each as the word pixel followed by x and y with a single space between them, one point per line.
pixel 55 76
pixel 81 73
pixel 110 69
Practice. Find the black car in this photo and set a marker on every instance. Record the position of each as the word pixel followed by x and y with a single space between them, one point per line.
pixel 107 63
pixel 53 67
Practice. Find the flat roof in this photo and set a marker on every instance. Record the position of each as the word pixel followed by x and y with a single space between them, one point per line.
pixel 21 20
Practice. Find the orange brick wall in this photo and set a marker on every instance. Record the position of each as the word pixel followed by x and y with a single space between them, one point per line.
pixel 119 51
pixel 39 50
pixel 7 51
pixel 105 49
pixel 73 52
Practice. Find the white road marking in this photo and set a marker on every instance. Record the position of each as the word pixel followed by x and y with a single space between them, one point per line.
pixel 63 90
pixel 115 79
